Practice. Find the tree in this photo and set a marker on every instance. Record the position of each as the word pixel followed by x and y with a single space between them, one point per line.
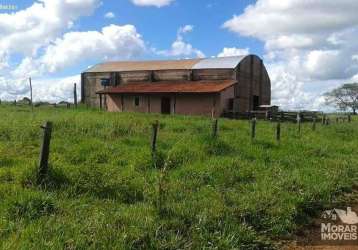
pixel 344 97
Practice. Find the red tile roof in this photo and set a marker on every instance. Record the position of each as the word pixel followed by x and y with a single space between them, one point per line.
pixel 170 87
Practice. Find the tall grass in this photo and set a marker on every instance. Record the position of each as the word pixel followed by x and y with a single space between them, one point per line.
pixel 103 190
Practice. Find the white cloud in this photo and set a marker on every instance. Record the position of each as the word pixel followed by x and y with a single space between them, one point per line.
pixel 284 92
pixel 40 34
pixel 55 90
pixel 313 42
pixel 355 78
pixel 267 18
pixel 28 30
pixel 113 42
pixel 156 3
pixel 234 52
pixel 180 48
pixel 286 42
pixel 109 15
pixel 185 29
pixel 3 60
pixel 44 89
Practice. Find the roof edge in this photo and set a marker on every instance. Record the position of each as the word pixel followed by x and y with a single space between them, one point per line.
pixel 229 62
pixel 196 87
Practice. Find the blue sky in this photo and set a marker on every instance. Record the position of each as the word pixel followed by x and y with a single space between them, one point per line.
pixel 307 46
pixel 159 26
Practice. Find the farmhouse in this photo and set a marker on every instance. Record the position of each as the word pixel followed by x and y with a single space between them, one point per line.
pixel 207 87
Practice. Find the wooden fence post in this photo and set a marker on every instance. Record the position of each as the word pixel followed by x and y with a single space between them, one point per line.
pixel 45 151
pixel 349 118
pixel 278 131
pixel 327 121
pixel 215 128
pixel 314 124
pixel 299 122
pixel 75 95
pixel 100 102
pixel 155 126
pixel 253 128
pixel 324 120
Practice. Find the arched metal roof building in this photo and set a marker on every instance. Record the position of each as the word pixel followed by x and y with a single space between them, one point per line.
pixel 208 86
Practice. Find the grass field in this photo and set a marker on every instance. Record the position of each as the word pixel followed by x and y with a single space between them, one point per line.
pixel 104 191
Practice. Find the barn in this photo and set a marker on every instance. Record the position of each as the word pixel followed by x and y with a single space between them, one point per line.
pixel 208 87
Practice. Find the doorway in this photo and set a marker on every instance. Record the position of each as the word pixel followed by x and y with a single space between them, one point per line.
pixel 165 105
pixel 256 102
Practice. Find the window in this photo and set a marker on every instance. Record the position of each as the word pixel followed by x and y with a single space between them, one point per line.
pixel 136 101
pixel 105 82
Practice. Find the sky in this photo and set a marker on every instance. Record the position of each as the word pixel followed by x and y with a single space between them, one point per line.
pixel 308 46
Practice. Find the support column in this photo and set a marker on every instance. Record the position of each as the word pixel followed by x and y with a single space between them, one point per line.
pixel 122 103
pixel 213 113
pixel 174 103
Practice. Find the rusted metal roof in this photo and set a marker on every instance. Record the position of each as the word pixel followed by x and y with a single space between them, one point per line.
pixel 208 63
pixel 170 87
pixel 143 65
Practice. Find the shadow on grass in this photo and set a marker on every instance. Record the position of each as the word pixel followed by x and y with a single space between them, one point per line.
pixel 218 147
pixel 91 181
pixel 266 144
pixel 55 179
pixel 30 206
pixel 99 183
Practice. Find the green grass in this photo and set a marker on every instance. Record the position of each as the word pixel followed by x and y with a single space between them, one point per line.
pixel 104 191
